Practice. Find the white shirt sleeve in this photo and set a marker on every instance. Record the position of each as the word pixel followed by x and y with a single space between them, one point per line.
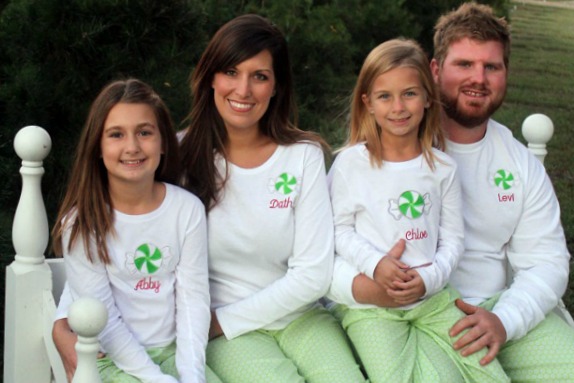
pixel 91 279
pixel 349 244
pixel 64 303
pixel 450 245
pixel 192 301
pixel 310 266
pixel 341 290
pixel 538 256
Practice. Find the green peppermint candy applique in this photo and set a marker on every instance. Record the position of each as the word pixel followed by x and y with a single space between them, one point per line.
pixel 410 204
pixel 285 183
pixel 504 179
pixel 147 259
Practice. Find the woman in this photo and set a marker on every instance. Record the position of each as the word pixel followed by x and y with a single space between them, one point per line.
pixel 270 225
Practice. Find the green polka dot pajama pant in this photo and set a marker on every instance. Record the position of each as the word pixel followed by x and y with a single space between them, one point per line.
pixel 313 349
pixel 413 345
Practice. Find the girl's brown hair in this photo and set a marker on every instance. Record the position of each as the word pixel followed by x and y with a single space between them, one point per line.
pixel 87 208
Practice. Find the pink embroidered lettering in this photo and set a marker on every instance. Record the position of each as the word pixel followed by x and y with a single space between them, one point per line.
pixel 506 198
pixel 148 284
pixel 416 234
pixel 278 204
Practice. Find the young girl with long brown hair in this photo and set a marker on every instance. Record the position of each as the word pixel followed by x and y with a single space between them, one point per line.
pixel 135 241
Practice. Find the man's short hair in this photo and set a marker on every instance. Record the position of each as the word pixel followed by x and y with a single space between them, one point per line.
pixel 475 21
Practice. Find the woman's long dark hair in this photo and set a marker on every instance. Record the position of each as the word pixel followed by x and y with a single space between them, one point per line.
pixel 236 41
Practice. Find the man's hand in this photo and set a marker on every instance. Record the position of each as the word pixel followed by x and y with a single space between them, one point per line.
pixel 485 330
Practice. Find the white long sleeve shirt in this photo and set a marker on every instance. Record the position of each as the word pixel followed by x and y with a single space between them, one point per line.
pixel 374 207
pixel 271 241
pixel 155 288
pixel 511 216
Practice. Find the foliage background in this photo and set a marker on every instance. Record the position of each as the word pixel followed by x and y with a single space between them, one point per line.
pixel 56 55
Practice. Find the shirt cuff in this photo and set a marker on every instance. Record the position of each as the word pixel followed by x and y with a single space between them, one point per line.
pixel 341 290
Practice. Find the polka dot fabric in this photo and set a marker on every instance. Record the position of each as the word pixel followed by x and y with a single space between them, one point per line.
pixel 164 357
pixel 414 345
pixel 545 354
pixel 312 349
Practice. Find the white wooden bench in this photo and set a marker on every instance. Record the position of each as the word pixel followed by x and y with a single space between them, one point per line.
pixel 34 284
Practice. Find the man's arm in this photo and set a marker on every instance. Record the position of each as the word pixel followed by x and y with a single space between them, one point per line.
pixel 539 259
pixel 538 255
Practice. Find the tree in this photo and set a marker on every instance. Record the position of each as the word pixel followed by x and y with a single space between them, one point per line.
pixel 56 56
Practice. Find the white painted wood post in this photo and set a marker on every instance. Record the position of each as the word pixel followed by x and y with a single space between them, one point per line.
pixel 87 317
pixel 25 358
pixel 537 130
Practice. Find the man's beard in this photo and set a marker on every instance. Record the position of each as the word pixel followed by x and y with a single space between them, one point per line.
pixel 463 118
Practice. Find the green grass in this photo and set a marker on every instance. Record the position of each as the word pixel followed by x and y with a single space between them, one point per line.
pixel 541 80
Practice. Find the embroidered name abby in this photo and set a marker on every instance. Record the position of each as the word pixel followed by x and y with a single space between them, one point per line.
pixel 148 284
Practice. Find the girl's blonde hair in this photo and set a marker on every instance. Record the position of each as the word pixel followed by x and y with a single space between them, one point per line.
pixel 396 53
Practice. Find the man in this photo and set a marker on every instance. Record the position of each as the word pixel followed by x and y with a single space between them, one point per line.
pixel 511 214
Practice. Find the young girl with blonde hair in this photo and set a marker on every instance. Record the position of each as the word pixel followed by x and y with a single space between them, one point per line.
pixel 391 186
